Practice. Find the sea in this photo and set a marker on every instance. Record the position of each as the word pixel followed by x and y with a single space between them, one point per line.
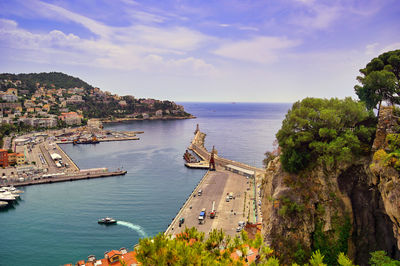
pixel 55 224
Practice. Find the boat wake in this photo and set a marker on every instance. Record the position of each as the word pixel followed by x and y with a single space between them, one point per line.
pixel 135 227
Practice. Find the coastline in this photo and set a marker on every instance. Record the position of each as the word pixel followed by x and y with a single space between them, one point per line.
pixel 127 119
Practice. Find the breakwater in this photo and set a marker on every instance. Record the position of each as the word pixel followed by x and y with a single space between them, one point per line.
pixel 197 146
pixel 78 176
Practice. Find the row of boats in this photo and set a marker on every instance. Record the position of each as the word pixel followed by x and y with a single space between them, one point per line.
pixel 8 195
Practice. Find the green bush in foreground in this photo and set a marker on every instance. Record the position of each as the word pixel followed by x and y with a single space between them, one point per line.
pixel 325 131
pixel 192 248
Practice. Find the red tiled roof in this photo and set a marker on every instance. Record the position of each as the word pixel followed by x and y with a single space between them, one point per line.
pixel 129 258
pixel 113 253
pixel 250 257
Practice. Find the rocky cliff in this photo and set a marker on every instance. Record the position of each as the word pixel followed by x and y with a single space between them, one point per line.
pixel 353 208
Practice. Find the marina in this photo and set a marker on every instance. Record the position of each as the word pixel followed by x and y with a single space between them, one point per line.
pixel 48 163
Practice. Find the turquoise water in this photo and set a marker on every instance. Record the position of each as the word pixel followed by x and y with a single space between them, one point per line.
pixel 57 223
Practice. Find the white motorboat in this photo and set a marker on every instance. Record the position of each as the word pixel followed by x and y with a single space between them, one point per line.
pixel 7 197
pixel 15 195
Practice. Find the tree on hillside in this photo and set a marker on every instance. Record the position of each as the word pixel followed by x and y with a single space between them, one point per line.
pixel 380 81
pixel 324 131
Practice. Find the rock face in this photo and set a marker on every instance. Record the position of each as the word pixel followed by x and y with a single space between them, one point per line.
pixel 372 227
pixel 354 207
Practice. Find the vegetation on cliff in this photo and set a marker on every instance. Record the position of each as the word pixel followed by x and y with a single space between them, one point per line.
pixel 380 80
pixel 325 132
pixel 322 193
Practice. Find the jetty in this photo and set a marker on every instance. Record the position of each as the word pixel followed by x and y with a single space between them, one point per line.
pixel 70 177
pixel 197 146
pixel 229 195
pixel 103 140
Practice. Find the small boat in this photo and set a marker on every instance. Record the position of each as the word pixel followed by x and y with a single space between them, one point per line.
pixel 93 140
pixel 3 204
pixel 107 220
pixel 189 157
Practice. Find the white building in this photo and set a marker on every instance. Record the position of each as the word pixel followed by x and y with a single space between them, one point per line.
pixel 159 113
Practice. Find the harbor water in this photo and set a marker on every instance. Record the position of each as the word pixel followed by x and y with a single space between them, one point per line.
pixel 55 224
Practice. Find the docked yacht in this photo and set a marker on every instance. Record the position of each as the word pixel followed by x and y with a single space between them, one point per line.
pixel 11 189
pixel 6 196
pixel 15 195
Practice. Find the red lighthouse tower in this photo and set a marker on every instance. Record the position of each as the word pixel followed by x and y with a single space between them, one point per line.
pixel 211 166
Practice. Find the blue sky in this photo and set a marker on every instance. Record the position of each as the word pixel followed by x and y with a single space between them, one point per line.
pixel 252 51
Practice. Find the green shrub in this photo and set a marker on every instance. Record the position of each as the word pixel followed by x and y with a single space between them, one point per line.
pixel 380 258
pixel 326 132
pixel 289 207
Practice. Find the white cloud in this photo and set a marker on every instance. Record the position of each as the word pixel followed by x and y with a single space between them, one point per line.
pixel 317 16
pixel 375 49
pixel 260 49
pixel 307 2
pixel 370 49
pixel 178 38
pixel 8 24
pixel 248 28
pixel 123 53
pixel 184 66
pixel 313 14
pixel 390 47
pixel 135 47
pixel 59 13
pixel 146 17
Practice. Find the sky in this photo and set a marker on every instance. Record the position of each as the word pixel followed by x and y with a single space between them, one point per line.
pixel 201 50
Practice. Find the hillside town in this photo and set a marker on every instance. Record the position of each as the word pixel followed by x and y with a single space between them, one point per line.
pixel 46 105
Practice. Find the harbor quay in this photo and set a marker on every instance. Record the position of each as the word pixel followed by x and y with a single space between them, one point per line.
pixel 229 193
pixel 227 198
pixel 46 162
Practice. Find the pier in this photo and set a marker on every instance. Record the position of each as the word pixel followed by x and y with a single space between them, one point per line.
pixel 65 178
pixel 102 140
pixel 233 189
pixel 197 146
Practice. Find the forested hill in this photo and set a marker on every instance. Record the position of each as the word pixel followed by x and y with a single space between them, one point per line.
pixel 57 79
